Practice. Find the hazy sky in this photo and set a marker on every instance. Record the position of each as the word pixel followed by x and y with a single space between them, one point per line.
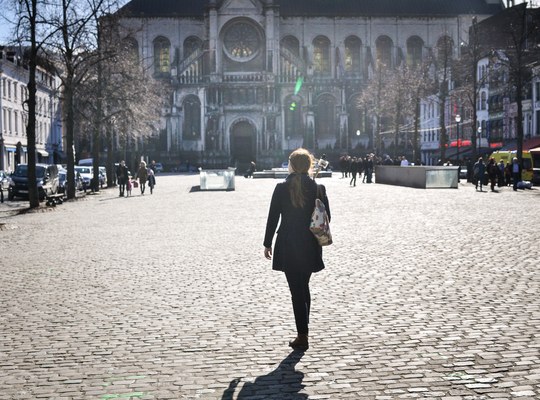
pixel 5 28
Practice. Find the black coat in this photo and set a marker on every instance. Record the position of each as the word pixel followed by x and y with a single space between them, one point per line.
pixel 296 249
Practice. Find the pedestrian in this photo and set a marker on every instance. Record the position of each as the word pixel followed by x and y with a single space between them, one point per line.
pixel 369 168
pixel 493 172
pixel 122 177
pixel 151 180
pixel 142 175
pixel 153 166
pixel 516 173
pixel 252 168
pixel 404 162
pixel 343 164
pixel 354 170
pixel 297 252
pixel 508 174
pixel 500 174
pixel 469 170
pixel 479 170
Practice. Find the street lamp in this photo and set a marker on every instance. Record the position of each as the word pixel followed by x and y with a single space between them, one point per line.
pixel 479 138
pixel 458 120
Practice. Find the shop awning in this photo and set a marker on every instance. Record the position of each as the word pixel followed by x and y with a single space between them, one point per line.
pixel 11 149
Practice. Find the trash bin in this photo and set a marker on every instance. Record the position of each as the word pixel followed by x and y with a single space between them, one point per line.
pixel 217 179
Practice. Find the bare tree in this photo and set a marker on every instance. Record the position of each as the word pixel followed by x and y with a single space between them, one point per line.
pixel 468 82
pixel 373 101
pixel 28 20
pixel 117 95
pixel 442 81
pixel 513 38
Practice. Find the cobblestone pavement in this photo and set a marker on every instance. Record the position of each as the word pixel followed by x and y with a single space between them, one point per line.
pixel 427 294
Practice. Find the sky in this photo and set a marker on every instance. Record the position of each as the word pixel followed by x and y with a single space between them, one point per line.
pixel 5 28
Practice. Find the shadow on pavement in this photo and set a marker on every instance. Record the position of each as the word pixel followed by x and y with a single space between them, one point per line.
pixel 282 383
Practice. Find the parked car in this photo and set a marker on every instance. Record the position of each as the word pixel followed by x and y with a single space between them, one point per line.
pixel 46 177
pixel 86 175
pixel 102 176
pixel 463 172
pixel 4 180
pixel 158 167
pixel 62 181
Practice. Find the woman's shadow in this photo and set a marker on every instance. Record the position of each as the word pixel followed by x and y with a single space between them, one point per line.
pixel 282 383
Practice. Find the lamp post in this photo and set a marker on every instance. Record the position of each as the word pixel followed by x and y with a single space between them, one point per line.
pixel 458 120
pixel 479 139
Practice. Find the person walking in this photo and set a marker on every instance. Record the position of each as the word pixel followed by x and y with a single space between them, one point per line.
pixel 354 170
pixel 493 172
pixel 142 175
pixel 369 168
pixel 479 170
pixel 500 175
pixel 516 173
pixel 122 177
pixel 151 180
pixel 296 252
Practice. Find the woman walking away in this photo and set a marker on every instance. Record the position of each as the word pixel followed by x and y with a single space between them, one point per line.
pixel 297 253
pixel 151 180
pixel 493 172
pixel 142 174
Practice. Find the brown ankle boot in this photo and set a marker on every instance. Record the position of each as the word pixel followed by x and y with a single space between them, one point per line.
pixel 300 343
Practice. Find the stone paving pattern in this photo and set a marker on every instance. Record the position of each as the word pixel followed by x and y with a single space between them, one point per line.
pixel 427 294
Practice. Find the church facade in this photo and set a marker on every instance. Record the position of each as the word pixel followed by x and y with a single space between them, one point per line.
pixel 253 79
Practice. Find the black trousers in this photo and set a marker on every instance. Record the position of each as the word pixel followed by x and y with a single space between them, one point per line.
pixel 301 299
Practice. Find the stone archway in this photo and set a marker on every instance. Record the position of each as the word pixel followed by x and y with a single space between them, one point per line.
pixel 243 143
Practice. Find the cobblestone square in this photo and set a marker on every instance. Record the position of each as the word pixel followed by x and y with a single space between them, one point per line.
pixel 427 294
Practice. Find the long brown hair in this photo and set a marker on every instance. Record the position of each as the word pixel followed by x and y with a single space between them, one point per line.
pixel 300 162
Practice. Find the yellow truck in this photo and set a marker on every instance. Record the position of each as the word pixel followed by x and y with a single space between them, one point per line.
pixel 535 156
pixel 527 167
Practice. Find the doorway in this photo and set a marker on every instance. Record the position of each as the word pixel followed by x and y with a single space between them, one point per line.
pixel 242 143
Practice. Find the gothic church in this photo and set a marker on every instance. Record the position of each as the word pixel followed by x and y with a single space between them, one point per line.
pixel 253 79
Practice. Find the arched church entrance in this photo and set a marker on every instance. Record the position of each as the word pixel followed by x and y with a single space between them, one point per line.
pixel 243 136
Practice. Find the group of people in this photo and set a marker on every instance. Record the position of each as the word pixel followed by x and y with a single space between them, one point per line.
pixel 144 175
pixel 498 174
pixel 353 166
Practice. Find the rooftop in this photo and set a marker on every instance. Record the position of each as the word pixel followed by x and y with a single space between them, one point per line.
pixel 333 8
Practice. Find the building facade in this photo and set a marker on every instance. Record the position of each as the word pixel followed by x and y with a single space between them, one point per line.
pixel 14 113
pixel 253 79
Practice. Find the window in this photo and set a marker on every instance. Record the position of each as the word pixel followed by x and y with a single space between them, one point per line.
pixel 355 116
pixel 384 51
pixel 191 45
pixel 131 47
pixel 325 116
pixel 241 42
pixel 293 116
pixel 537 94
pixel 162 58
pixel 321 55
pixel 414 50
pixel 192 118
pixel 292 44
pixel 445 50
pixel 353 47
pixel 483 100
